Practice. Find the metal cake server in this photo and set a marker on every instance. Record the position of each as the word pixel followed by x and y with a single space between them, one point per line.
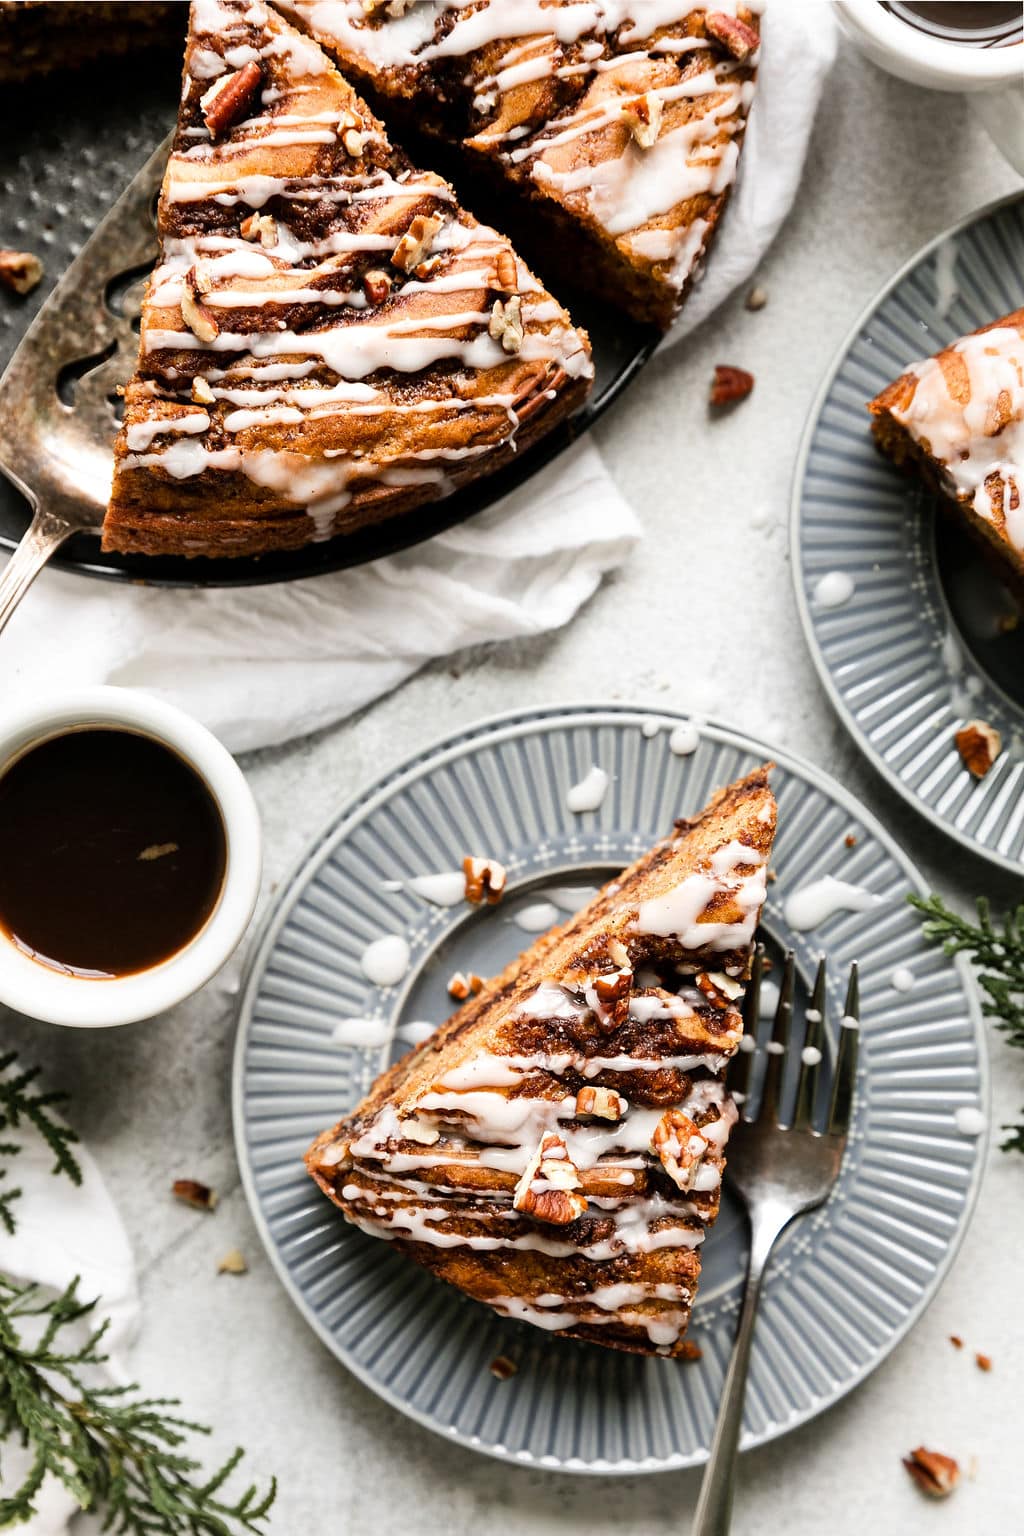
pixel 58 396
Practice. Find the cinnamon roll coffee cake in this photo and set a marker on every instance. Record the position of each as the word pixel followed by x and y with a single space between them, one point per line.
pixel 329 339
pixel 957 421
pixel 556 1148
pixel 619 122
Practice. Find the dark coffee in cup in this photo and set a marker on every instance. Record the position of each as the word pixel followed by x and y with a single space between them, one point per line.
pixel 971 23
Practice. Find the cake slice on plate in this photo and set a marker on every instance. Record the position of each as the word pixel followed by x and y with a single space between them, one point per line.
pixel 329 339
pixel 619 123
pixel 957 421
pixel 556 1148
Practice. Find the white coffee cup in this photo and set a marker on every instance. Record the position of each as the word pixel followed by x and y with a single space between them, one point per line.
pixel 994 77
pixel 30 987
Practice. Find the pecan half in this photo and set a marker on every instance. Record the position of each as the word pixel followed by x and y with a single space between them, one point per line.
pixel 485 880
pixel 679 1146
pixel 979 745
pixel 934 1474
pixel 506 323
pixel 229 97
pixel 730 384
pixel 547 1189
pixel 734 35
pixel 20 271
pixel 506 272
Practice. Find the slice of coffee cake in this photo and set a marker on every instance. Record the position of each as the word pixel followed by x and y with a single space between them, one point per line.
pixel 556 1148
pixel 329 339
pixel 957 421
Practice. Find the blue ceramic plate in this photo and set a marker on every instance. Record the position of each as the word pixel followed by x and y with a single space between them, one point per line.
pixel 846 1282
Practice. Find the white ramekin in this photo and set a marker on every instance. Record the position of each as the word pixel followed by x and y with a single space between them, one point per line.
pixel 34 989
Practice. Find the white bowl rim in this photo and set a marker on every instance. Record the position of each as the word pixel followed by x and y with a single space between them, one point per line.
pixel 957 66
pixel 34 989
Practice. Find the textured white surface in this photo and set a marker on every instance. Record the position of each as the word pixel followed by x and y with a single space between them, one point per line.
pixel 701 618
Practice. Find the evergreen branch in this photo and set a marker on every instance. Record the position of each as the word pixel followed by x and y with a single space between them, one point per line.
pixel 20 1102
pixel 118 1454
pixel 998 955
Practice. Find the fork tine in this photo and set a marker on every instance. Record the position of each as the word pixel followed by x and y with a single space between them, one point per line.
pixel 810 1057
pixel 776 1047
pixel 739 1067
pixel 846 1060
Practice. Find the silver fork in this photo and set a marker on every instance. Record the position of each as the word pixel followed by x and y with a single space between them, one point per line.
pixel 779 1171
pixel 61 456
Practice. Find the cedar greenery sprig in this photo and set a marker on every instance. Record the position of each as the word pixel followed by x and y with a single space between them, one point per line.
pixel 998 953
pixel 20 1102
pixel 118 1454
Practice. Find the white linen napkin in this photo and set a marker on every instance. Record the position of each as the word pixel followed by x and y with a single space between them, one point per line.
pixel 265 664
pixel 63 1231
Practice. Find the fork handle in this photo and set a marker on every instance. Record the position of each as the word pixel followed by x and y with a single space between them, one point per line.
pixel 714 1508
pixel 45 534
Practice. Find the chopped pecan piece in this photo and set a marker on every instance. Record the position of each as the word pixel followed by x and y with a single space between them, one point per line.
pixel 506 323
pixel 719 989
pixel 376 285
pixel 547 1189
pixel 601 1103
pixel 261 227
pixel 485 880
pixel 983 1362
pixel 979 745
pixel 202 394
pixel 229 97
pixel 730 384
pixel 934 1474
pixel 502 1367
pixel 233 1263
pixel 734 35
pixel 394 8
pixel 200 1196
pixel 643 116
pixel 680 1146
pixel 462 984
pixel 757 298
pixel 20 271
pixel 415 243
pixel 198 316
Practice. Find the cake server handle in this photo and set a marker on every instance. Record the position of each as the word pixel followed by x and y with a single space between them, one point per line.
pixel 714 1507
pixel 43 536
